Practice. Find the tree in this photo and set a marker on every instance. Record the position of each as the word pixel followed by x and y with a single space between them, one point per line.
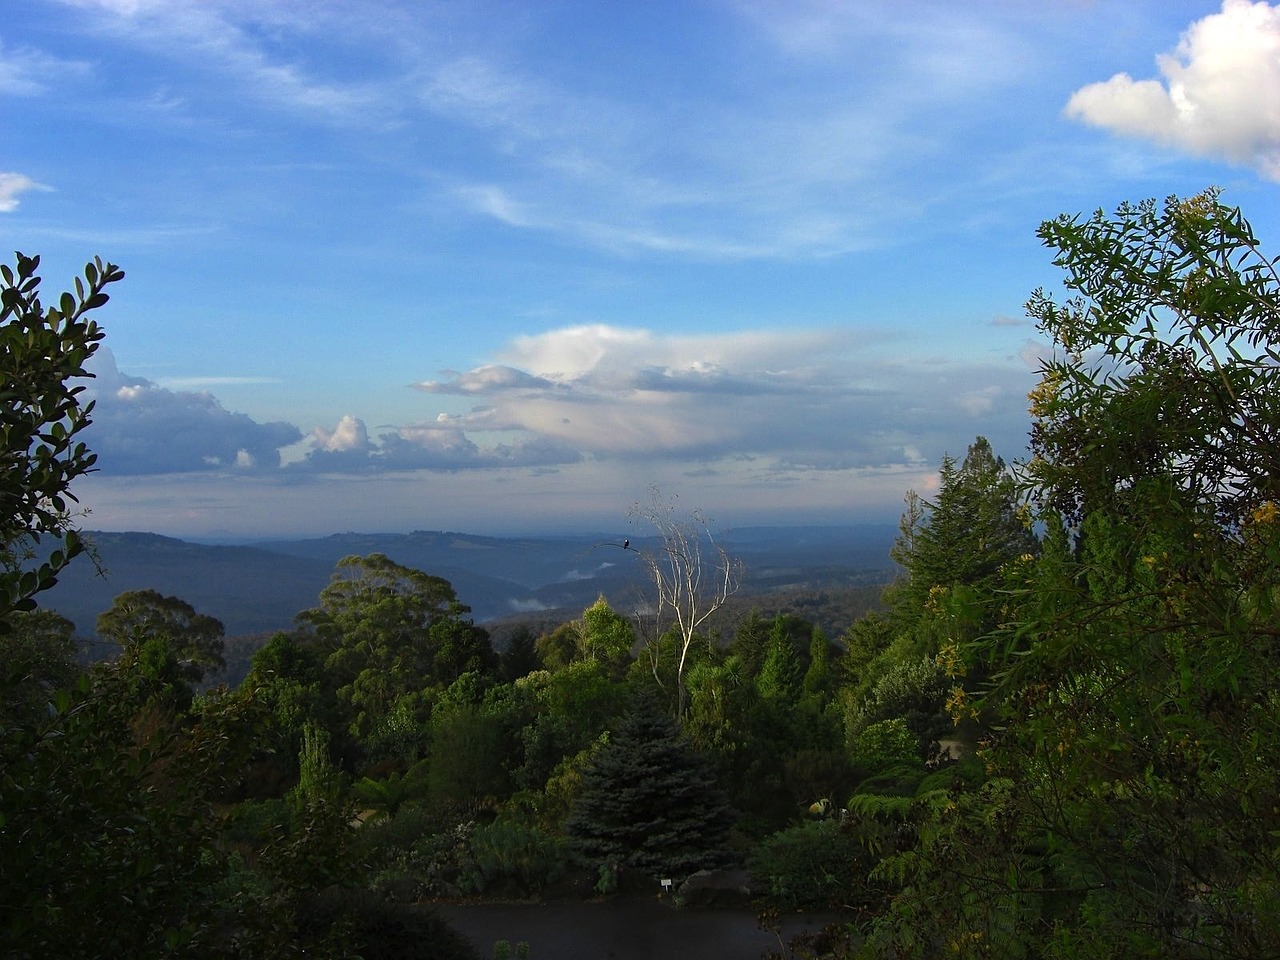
pixel 966 536
pixel 1135 756
pixel 138 618
pixel 957 552
pixel 649 802
pixel 392 632
pixel 521 655
pixel 780 677
pixel 692 575
pixel 43 353
pixel 605 635
pixel 570 708
pixel 108 830
pixel 1167 361
pixel 818 676
pixel 37 658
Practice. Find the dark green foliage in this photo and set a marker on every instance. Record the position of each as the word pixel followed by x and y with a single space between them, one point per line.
pixel 864 641
pixel 106 829
pixel 811 866
pixel 138 618
pixel 513 857
pixel 968 534
pixel 913 690
pixel 816 773
pixel 901 780
pixel 568 710
pixel 468 762
pixel 391 633
pixel 780 675
pixel 751 643
pixel 649 802
pixel 1129 806
pixel 520 658
pixel 559 648
pixel 370 928
pixel 43 352
pixel 886 745
pixel 819 678
pixel 37 658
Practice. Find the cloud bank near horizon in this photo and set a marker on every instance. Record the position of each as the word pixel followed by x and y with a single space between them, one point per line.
pixel 785 401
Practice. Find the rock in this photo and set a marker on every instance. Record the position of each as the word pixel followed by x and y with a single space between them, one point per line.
pixel 716 888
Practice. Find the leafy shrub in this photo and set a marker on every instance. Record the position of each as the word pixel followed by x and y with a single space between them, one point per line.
pixel 506 850
pixel 899 781
pixel 966 773
pixel 413 854
pixel 253 822
pixel 885 744
pixel 374 929
pixel 811 865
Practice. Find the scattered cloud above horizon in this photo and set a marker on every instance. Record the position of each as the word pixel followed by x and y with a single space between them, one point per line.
pixel 1219 95
pixel 784 401
pixel 140 428
pixel 512 259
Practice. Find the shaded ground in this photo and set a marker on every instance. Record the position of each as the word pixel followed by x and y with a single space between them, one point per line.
pixel 623 928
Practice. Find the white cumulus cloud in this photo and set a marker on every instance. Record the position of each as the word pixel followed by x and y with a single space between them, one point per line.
pixel 349 434
pixel 140 427
pixel 1219 95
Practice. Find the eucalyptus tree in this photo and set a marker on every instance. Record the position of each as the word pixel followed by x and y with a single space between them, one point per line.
pixel 391 635
pixel 692 576
pixel 138 618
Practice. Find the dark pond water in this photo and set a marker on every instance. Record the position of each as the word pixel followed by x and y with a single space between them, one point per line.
pixel 625 928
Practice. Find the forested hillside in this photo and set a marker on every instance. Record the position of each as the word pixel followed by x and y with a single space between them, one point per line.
pixel 259 588
pixel 1056 735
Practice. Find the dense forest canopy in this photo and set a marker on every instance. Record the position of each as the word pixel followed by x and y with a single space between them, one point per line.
pixel 1059 736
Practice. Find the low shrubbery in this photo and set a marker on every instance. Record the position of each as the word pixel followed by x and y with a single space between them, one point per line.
pixel 412 857
pixel 810 866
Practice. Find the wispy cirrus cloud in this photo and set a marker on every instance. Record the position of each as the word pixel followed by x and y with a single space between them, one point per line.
pixel 260 48
pixel 12 186
pixel 796 135
pixel 25 72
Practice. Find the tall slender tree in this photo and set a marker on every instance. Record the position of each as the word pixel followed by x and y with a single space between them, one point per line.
pixel 692 576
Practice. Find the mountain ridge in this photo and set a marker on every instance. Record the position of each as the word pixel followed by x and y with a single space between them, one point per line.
pixel 258 586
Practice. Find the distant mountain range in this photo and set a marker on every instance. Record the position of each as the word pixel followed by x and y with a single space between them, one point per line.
pixel 260 587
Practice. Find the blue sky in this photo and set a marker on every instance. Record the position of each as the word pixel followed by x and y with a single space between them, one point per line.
pixel 499 267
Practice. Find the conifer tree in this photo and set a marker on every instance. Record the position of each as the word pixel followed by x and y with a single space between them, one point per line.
pixel 649 801
pixel 780 676
pixel 965 536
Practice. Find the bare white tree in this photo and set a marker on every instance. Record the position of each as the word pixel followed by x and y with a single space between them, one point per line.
pixel 692 577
